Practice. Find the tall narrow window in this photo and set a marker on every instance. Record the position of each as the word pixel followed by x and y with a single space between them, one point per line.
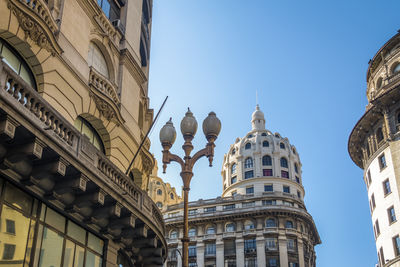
pixel 391 214
pixel 296 168
pixel 379 135
pixel 233 168
pixel 382 161
pixel 396 245
pixel 97 60
pixel 249 190
pixel 386 187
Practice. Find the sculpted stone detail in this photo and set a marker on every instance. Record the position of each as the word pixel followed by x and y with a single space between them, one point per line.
pixel 105 108
pixel 147 163
pixel 31 26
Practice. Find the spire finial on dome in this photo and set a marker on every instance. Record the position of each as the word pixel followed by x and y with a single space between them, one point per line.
pixel 257 119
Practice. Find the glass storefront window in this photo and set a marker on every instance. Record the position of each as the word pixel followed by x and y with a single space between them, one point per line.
pixel 18 199
pixel 55 219
pixel 95 243
pixel 51 250
pixel 76 232
pixel 92 260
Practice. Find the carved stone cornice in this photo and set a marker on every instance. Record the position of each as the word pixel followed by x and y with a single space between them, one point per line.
pixel 147 161
pixel 105 97
pixel 37 23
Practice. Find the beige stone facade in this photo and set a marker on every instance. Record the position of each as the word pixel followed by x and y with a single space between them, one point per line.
pixel 374 145
pixel 260 220
pixel 74 109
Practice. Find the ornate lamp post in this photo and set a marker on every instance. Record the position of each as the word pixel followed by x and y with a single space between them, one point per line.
pixel 211 129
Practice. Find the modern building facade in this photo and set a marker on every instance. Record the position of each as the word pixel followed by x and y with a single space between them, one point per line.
pixel 74 108
pixel 260 220
pixel 374 145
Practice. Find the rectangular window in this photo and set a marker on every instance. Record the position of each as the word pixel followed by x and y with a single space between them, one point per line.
pixel 382 161
pixel 210 249
pixel 229 207
pixel 210 209
pixel 382 257
pixel 285 174
pixel 369 177
pixel 386 187
pixel 396 245
pixel 234 193
pixel 250 262
pixel 372 202
pixel 272 262
pixel 377 229
pixel 391 214
pixel 229 263
pixel 192 251
pixel 249 190
pixel 269 202
pixel 291 244
pixel 233 179
pixel 8 252
pixel 10 227
pixel 229 247
pixel 293 264
pixel 268 188
pixel 298 194
pixel 248 174
pixel 287 203
pixel 286 189
pixel 297 179
pixel 248 204
pixel 267 172
pixel 271 243
pixel 193 212
pixel 249 245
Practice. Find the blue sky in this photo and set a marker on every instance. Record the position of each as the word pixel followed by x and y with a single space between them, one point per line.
pixel 308 61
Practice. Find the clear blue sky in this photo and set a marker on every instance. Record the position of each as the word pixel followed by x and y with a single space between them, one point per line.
pixel 308 61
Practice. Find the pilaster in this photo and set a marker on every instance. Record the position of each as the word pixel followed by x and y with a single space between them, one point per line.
pixel 260 250
pixel 239 252
pixel 200 253
pixel 219 251
pixel 283 256
pixel 111 254
pixel 179 256
pixel 300 252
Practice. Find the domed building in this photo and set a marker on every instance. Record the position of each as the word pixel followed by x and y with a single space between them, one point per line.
pixel 374 145
pixel 260 220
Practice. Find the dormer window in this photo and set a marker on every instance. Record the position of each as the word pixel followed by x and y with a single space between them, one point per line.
pixel 247 146
pixel 265 144
pixel 282 145
pixel 264 134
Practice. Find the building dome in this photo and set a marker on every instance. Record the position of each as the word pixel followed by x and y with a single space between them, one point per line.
pixel 262 161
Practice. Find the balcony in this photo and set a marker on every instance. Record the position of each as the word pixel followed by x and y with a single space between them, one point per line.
pixel 270 230
pixel 209 237
pixel 172 241
pixel 249 232
pixel 36 20
pixel 228 235
pixel 46 154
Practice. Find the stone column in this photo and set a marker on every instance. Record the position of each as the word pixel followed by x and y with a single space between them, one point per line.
pixel 219 244
pixel 300 251
pixel 283 256
pixel 179 255
pixel 111 254
pixel 261 250
pixel 200 253
pixel 239 252
pixel 386 119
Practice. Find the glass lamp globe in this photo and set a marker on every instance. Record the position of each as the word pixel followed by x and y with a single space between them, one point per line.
pixel 189 124
pixel 211 125
pixel 168 133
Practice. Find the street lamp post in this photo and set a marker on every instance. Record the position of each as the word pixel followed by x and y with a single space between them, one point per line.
pixel 211 129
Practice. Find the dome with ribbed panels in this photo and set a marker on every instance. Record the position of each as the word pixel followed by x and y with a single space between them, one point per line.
pixel 261 162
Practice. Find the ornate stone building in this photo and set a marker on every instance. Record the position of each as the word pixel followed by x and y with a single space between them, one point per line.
pixel 260 220
pixel 74 108
pixel 374 145
pixel 162 193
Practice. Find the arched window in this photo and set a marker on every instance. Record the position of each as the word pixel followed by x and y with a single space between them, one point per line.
pixel 296 168
pixel 248 163
pixel 210 230
pixel 192 232
pixel 233 151
pixel 233 168
pixel 289 224
pixel 159 192
pixel 248 225
pixel 264 134
pixel 284 163
pixel 173 234
pixel 13 59
pixel 250 136
pixel 266 160
pixel 282 145
pixel 172 196
pixel 270 222
pixel 379 135
pixel 396 69
pixel 379 83
pixel 247 146
pixel 97 61
pixel 159 205
pixel 265 144
pixel 294 151
pixel 230 227
pixel 88 130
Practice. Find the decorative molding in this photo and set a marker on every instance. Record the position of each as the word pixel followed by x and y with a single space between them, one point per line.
pixel 147 162
pixel 133 67
pixel 37 23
